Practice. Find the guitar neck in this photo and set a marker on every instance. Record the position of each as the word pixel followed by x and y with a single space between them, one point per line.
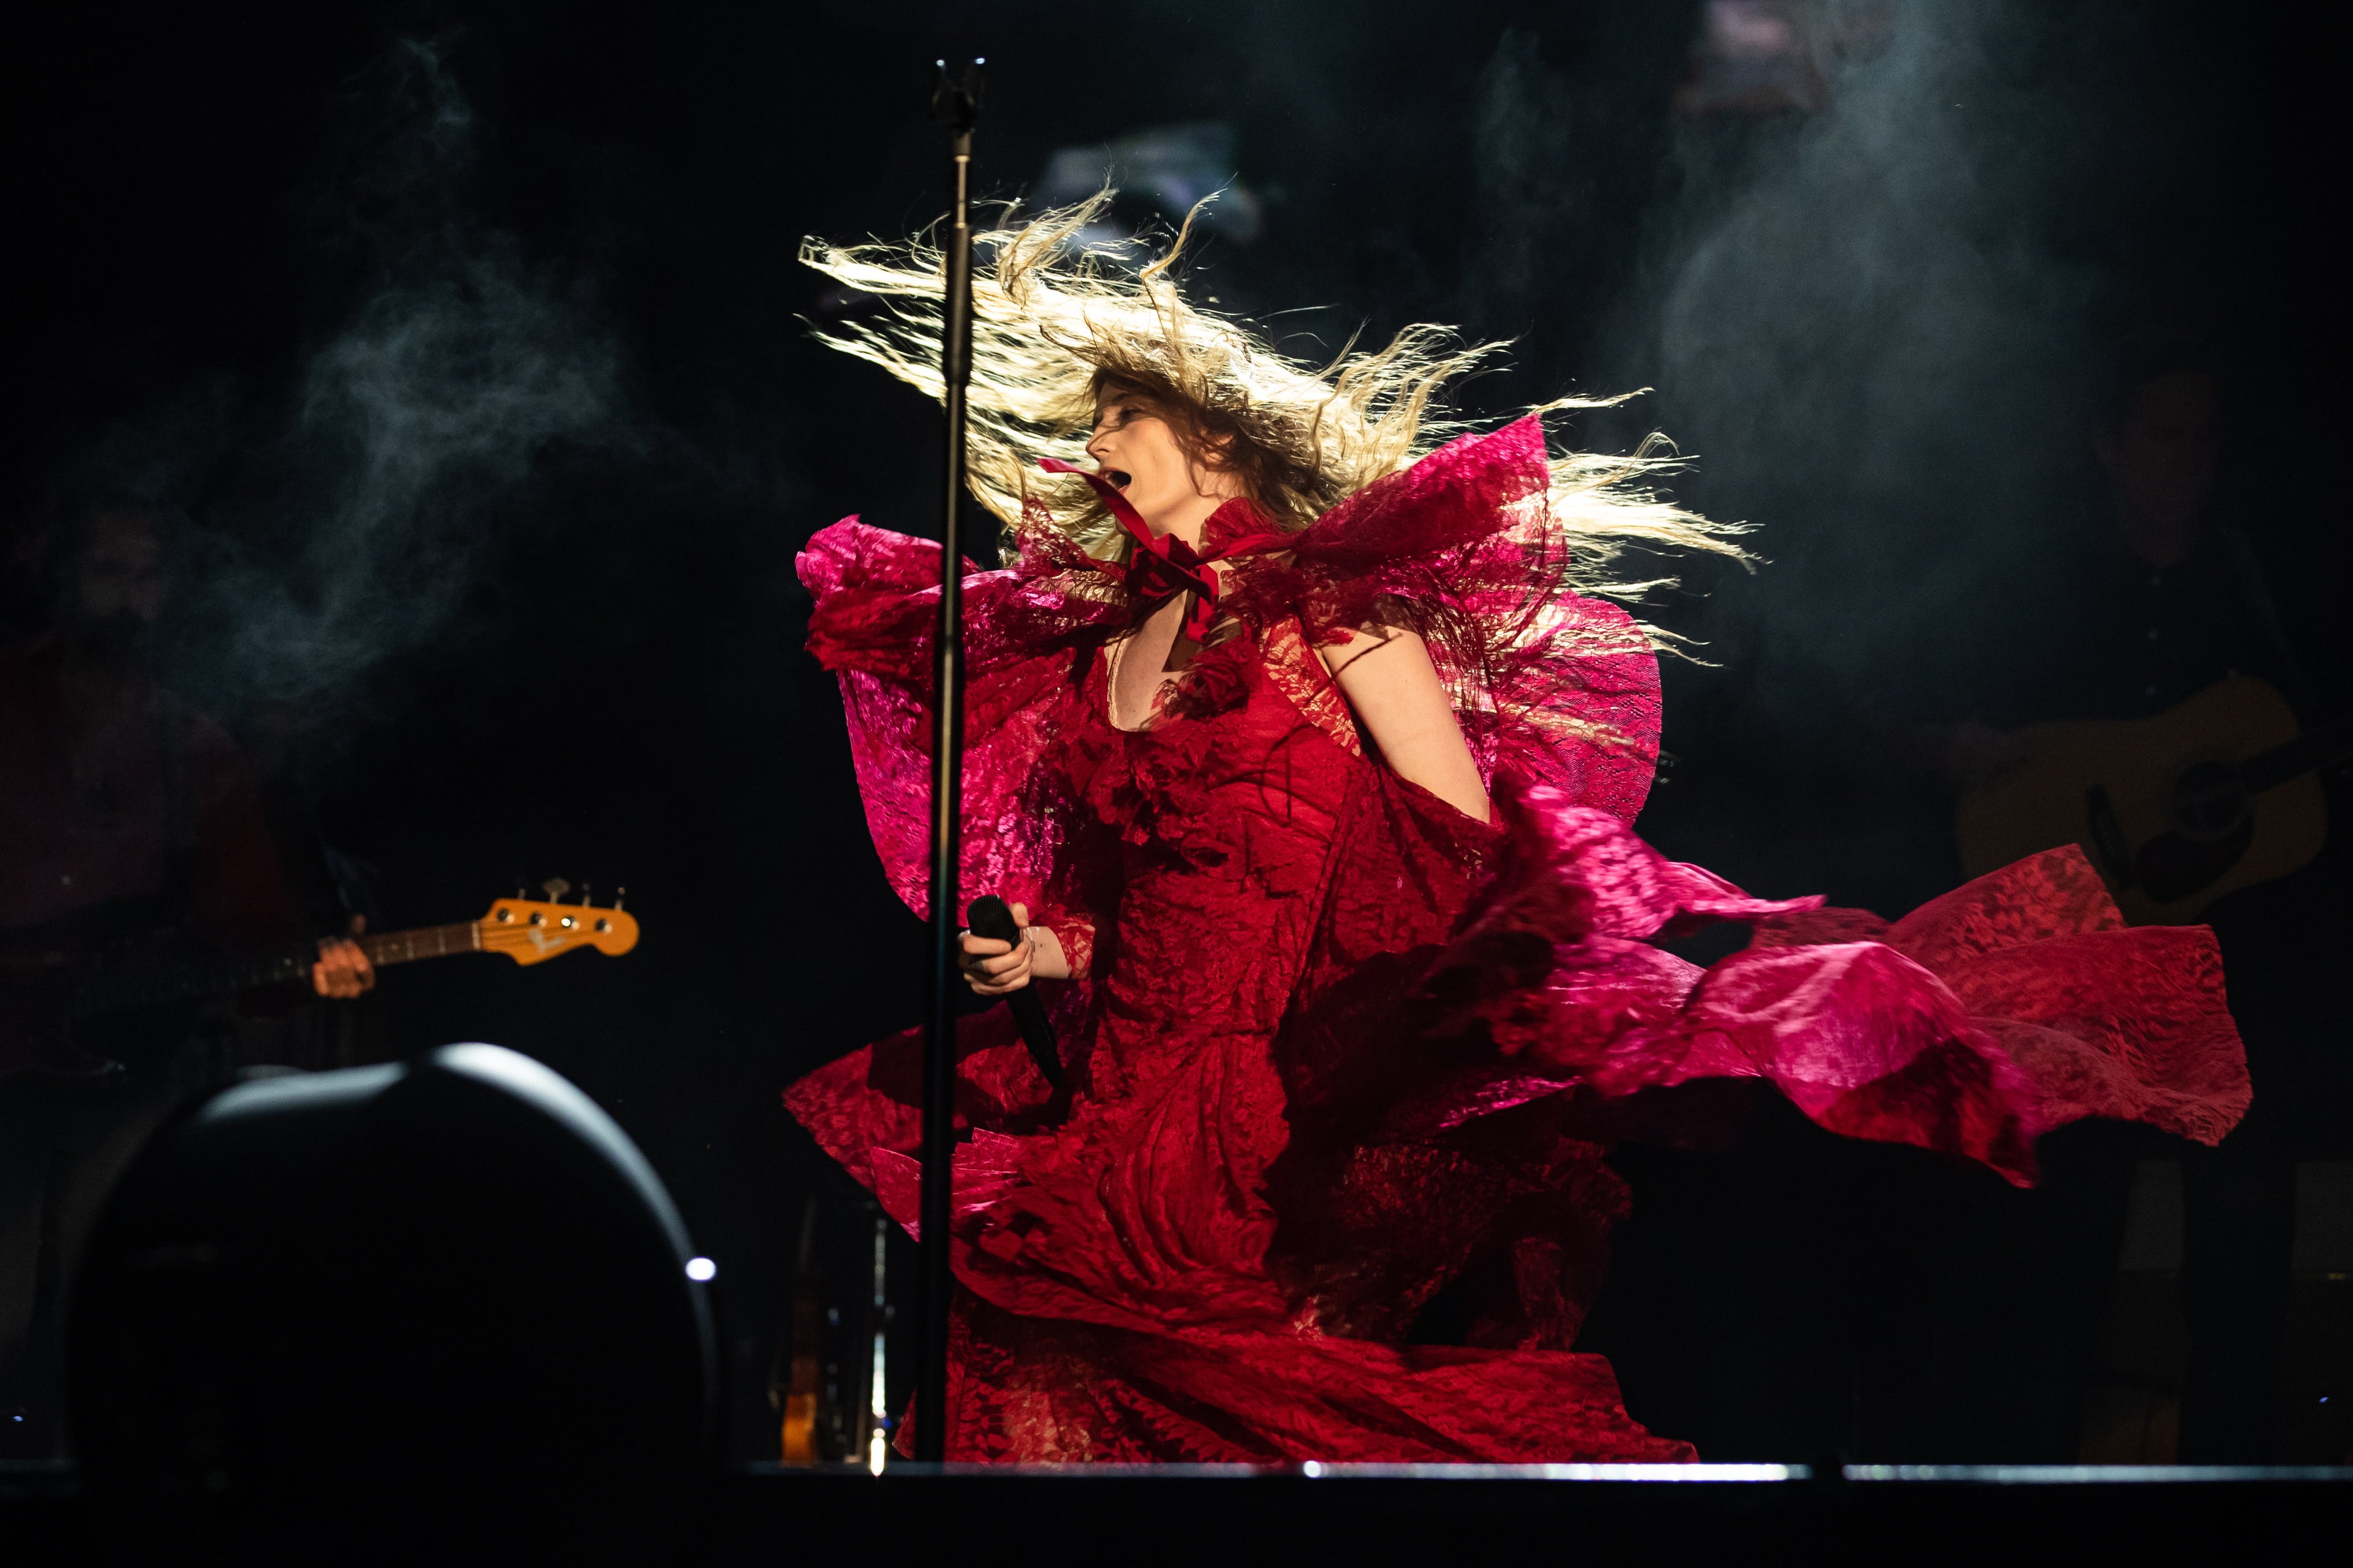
pixel 112 990
pixel 2324 747
pixel 426 942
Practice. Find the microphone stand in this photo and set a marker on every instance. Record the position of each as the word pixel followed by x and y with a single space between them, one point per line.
pixel 958 105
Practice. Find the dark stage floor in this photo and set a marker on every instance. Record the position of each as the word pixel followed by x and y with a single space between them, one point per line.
pixel 1907 1514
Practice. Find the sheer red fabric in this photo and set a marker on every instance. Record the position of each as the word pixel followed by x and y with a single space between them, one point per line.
pixel 1342 1045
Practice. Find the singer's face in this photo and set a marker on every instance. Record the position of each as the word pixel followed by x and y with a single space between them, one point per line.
pixel 1135 448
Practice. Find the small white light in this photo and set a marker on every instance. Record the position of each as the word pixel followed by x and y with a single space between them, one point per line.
pixel 701 1269
pixel 1312 1468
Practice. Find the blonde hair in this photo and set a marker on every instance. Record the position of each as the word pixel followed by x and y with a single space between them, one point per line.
pixel 1055 320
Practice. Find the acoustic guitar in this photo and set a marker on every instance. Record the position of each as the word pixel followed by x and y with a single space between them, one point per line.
pixel 2211 796
pixel 44 996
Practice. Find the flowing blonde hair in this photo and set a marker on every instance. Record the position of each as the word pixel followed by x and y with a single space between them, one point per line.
pixel 1056 321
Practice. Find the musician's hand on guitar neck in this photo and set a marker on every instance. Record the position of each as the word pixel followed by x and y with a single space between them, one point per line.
pixel 342 970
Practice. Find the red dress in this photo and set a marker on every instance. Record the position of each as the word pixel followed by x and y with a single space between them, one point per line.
pixel 1344 1044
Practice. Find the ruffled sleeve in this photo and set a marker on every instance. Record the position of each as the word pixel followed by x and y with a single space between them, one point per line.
pixel 1551 688
pixel 1028 630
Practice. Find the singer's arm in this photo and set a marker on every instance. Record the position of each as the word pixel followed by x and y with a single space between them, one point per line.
pixel 993 968
pixel 1386 676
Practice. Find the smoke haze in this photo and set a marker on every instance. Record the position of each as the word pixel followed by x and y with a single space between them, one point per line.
pixel 342 522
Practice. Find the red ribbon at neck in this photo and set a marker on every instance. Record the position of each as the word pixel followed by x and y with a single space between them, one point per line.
pixel 1163 565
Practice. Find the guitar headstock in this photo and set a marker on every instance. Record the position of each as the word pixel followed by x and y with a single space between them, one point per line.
pixel 530 930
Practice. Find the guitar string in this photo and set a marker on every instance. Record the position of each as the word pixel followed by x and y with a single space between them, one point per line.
pixel 388 947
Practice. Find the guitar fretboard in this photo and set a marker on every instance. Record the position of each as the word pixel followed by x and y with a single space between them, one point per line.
pixel 426 942
pixel 2324 747
pixel 114 991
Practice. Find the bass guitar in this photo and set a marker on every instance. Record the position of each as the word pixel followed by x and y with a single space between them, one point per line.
pixel 44 997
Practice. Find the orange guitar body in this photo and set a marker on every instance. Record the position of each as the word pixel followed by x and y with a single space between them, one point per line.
pixel 2127 772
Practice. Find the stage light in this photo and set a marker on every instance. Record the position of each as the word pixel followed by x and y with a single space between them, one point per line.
pixel 702 1268
pixel 395 1283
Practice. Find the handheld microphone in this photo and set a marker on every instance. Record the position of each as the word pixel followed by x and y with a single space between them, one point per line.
pixel 991 917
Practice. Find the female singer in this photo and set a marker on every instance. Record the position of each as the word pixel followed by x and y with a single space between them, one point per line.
pixel 1304 731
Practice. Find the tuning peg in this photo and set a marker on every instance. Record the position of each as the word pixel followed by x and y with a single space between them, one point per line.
pixel 586 891
pixel 618 894
pixel 556 887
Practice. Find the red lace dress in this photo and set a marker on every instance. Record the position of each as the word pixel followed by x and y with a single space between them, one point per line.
pixel 1342 1044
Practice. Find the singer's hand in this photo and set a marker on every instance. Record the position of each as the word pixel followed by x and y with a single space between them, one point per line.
pixel 993 968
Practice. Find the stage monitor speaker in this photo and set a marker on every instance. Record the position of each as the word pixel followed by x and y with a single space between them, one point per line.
pixel 454 1274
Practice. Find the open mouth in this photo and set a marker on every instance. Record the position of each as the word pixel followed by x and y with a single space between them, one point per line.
pixel 1118 476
